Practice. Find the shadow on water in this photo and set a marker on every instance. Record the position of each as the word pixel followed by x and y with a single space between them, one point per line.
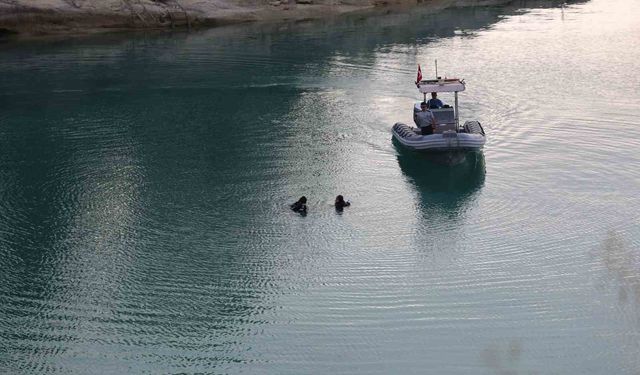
pixel 622 265
pixel 619 273
pixel 503 358
pixel 444 187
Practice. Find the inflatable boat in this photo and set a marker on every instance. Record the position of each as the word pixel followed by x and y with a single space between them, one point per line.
pixel 447 134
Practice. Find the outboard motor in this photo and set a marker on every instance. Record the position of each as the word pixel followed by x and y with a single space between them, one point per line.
pixel 473 127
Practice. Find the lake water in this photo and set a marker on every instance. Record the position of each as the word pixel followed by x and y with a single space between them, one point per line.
pixel 145 183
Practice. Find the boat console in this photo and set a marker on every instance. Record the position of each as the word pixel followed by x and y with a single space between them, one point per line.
pixel 446 119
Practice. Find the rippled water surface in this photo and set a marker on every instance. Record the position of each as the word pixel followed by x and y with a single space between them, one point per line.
pixel 144 183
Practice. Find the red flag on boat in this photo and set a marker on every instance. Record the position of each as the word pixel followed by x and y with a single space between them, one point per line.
pixel 419 78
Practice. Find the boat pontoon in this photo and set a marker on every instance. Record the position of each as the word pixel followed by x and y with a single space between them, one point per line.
pixel 448 134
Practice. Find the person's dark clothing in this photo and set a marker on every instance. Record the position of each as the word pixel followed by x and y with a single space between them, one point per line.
pixel 299 207
pixel 342 204
pixel 435 103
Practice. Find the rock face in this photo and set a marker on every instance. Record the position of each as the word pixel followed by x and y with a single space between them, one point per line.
pixel 37 17
pixel 61 16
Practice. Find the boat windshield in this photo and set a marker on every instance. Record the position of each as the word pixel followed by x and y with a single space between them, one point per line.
pixel 444 115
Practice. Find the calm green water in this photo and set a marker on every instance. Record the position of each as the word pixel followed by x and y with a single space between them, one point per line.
pixel 144 184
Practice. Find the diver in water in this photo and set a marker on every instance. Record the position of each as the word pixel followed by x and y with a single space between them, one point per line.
pixel 300 206
pixel 341 203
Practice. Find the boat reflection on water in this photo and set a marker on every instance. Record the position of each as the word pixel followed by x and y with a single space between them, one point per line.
pixel 446 189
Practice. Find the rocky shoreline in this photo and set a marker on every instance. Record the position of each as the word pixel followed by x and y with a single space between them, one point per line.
pixel 64 17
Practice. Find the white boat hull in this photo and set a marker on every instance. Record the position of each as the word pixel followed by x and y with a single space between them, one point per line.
pixel 473 139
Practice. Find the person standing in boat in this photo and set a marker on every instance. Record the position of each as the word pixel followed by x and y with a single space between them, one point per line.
pixel 425 119
pixel 434 102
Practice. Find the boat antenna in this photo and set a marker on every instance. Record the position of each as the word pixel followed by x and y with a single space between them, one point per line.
pixel 436 68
